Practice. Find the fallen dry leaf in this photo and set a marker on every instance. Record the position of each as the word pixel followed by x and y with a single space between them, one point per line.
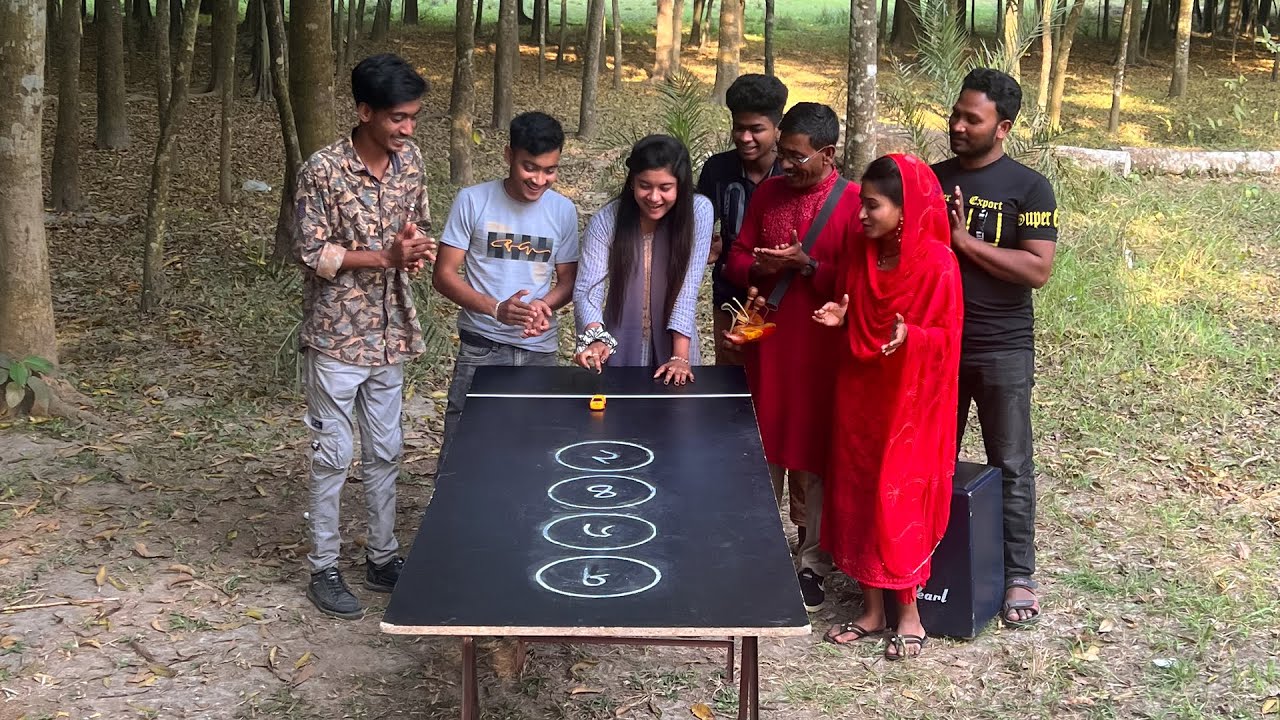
pixel 101 577
pixel 255 613
pixel 305 659
pixel 1106 626
pixel 1271 706
pixel 272 654
pixel 180 568
pixel 8 641
pixel 583 690
pixel 702 711
pixel 303 675
pixel 140 548
pixel 911 695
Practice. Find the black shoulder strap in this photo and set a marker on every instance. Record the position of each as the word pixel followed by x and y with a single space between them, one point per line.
pixel 810 237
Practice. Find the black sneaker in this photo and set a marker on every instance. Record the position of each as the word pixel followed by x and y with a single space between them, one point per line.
pixel 331 595
pixel 382 578
pixel 811 590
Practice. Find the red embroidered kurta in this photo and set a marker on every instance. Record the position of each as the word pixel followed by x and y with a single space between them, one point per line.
pixel 792 372
pixel 888 495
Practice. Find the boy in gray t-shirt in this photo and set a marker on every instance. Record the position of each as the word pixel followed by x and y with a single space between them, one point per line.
pixel 512 236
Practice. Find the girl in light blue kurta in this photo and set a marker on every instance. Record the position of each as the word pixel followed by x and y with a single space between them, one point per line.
pixel 642 263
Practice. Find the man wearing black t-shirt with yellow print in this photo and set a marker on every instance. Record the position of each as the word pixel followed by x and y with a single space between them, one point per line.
pixel 1004 229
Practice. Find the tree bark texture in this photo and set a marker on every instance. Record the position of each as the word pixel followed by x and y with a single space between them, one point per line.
pixel 462 96
pixel 409 14
pixel 591 70
pixel 164 57
pixel 1060 61
pixel 1012 22
pixel 540 31
pixel 113 120
pixel 677 34
pixel 770 23
pixel 352 28
pixel 381 22
pixel 906 24
pixel 216 61
pixel 1182 51
pixel 479 16
pixel 860 113
pixel 1117 82
pixel 662 42
pixel 617 47
pixel 311 75
pixel 564 33
pixel 153 284
pixel 507 52
pixel 339 37
pixel 64 183
pixel 1135 35
pixel 227 36
pixel 729 55
pixel 285 219
pixel 695 32
pixel 1046 53
pixel 26 297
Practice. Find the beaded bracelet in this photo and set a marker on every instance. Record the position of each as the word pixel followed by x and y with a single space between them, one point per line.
pixel 677 358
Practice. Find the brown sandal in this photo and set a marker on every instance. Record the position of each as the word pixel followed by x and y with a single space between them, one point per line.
pixel 859 632
pixel 900 643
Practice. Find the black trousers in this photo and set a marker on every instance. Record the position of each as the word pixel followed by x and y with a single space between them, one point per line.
pixel 999 383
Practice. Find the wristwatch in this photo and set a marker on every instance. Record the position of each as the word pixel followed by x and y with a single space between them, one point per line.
pixel 810 268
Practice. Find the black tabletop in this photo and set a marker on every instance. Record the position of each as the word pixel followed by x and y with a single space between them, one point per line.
pixel 654 517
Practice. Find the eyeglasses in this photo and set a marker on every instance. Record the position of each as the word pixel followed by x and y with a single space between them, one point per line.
pixel 797 160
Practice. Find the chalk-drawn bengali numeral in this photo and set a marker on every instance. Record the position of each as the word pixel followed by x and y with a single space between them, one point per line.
pixel 602 492
pixel 593 580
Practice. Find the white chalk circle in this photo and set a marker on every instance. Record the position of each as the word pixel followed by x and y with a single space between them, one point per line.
pixel 604 456
pixel 599 531
pixel 602 492
pixel 598 576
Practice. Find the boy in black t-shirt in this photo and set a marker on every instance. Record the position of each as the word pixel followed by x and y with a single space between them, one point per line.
pixel 729 178
pixel 1004 229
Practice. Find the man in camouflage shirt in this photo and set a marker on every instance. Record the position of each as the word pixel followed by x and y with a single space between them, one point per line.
pixel 361 204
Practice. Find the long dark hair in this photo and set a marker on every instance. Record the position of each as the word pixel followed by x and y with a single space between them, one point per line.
pixel 652 152
pixel 883 173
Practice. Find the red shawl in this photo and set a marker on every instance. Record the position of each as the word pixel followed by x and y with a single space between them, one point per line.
pixel 888 496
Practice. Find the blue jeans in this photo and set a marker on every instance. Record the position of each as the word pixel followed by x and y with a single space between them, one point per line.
pixel 1000 383
pixel 473 352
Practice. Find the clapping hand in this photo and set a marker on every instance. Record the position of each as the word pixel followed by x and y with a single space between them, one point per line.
pixel 832 314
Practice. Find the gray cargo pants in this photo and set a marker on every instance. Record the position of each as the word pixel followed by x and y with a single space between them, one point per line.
pixel 336 393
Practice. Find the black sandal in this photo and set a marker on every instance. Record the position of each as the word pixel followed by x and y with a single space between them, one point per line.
pixel 860 633
pixel 900 642
pixel 1033 604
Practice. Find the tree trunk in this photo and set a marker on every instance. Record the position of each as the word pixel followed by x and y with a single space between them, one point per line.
pixel 617 47
pixel 506 55
pixel 113 119
pixel 352 27
pixel 860 113
pixel 1135 36
pixel 263 73
pixel 1046 53
pixel 1104 23
pixel 227 36
pixel 26 296
pixel 164 62
pixel 1117 83
pixel 662 42
pixel 462 97
pixel 564 33
pixel 311 75
pixel 1159 31
pixel 604 49
pixel 479 15
pixel 360 20
pixel 906 24
pixel 591 70
pixel 175 21
pixel 216 46
pixel 695 33
pixel 1210 18
pixel 64 183
pixel 1233 24
pixel 285 219
pixel 339 36
pixel 1012 23
pixel 1060 63
pixel 883 20
pixel 769 30
pixel 677 34
pixel 381 22
pixel 540 31
pixel 409 15
pixel 1182 51
pixel 707 12
pixel 153 282
pixel 730 48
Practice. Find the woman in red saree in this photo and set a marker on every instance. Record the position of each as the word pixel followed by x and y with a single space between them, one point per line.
pixel 894 448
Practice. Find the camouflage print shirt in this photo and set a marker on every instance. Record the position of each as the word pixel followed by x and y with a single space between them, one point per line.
pixel 363 316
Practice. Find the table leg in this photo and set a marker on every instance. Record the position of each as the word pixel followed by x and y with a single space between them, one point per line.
pixel 470 694
pixel 749 681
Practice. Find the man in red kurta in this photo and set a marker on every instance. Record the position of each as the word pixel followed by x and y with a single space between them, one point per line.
pixel 792 372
